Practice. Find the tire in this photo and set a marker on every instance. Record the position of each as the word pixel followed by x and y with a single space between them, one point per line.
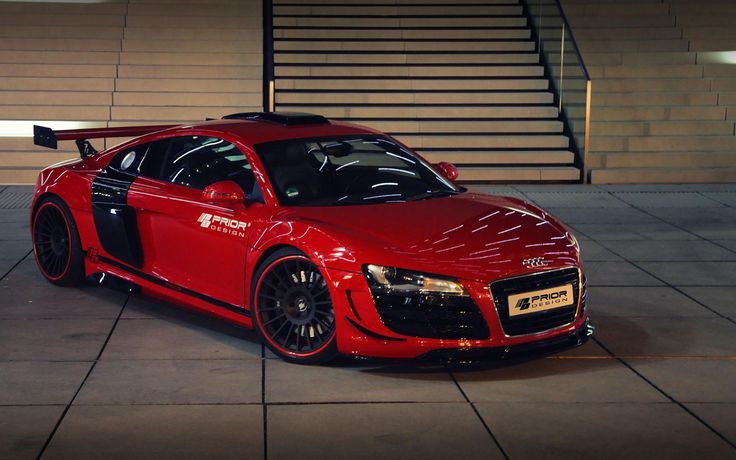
pixel 56 243
pixel 292 308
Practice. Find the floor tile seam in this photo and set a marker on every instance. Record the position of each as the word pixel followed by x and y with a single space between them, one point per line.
pixel 668 284
pixel 668 396
pixel 15 265
pixel 702 193
pixel 679 227
pixel 81 385
pixel 480 418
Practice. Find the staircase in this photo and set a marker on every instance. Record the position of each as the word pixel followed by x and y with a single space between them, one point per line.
pixel 74 65
pixel 664 94
pixel 459 82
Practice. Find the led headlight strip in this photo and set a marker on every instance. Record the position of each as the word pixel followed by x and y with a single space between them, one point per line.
pixel 393 280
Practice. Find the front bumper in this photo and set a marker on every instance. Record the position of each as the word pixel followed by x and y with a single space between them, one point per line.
pixel 362 332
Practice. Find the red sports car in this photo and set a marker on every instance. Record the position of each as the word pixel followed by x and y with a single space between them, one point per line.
pixel 324 237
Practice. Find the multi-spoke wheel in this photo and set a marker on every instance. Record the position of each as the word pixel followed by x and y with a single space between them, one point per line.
pixel 293 309
pixel 56 243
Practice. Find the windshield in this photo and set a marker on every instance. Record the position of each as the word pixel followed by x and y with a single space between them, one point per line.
pixel 347 171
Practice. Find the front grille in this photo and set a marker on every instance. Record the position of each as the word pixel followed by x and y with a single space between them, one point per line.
pixel 540 321
pixel 432 316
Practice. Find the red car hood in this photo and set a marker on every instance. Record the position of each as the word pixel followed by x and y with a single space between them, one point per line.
pixel 468 236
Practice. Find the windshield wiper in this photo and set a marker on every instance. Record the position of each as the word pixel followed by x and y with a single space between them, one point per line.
pixel 433 194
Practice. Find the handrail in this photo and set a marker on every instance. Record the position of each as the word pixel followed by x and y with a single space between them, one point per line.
pixel 269 83
pixel 574 111
pixel 572 39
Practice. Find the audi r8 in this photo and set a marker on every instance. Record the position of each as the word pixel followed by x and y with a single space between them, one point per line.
pixel 325 237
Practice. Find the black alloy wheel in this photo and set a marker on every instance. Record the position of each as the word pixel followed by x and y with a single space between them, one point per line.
pixel 294 311
pixel 56 243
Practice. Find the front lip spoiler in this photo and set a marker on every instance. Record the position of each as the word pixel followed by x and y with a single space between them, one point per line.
pixel 521 351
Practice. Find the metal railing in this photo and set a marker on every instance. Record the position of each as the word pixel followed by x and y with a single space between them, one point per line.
pixel 566 71
pixel 269 79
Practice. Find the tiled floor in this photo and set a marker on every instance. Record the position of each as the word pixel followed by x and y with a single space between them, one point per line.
pixel 94 373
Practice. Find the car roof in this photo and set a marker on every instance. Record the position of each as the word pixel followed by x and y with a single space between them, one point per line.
pixel 257 131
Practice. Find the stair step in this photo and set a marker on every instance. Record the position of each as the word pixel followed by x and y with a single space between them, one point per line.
pixel 38 160
pixel 624 33
pixel 711 32
pixel 391 2
pixel 630 46
pixel 481 141
pixel 689 143
pixel 433 98
pixel 189 8
pixel 405 34
pixel 397 10
pixel 723 44
pixel 179 114
pixel 655 99
pixel 61 31
pixel 632 21
pixel 403 58
pixel 651 71
pixel 409 71
pixel 246 36
pixel 662 143
pixel 164 85
pixel 395 45
pixel 362 84
pixel 59 98
pixel 519 174
pixel 7 8
pixel 194 22
pixel 650 85
pixel 19 176
pixel 58 57
pixel 197 59
pixel 59 44
pixel 44 19
pixel 189 72
pixel 492 157
pixel 55 84
pixel 662 128
pixel 663 175
pixel 658 113
pixel 416 112
pixel 464 126
pixel 187 46
pixel 56 70
pixel 404 22
pixel 669 159
pixel 187 99
pixel 47 112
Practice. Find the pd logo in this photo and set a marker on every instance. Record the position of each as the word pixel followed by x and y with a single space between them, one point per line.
pixel 222 224
pixel 205 219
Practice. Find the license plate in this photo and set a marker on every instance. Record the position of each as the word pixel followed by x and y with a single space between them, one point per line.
pixel 542 300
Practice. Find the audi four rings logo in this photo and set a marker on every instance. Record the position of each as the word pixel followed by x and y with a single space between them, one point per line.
pixel 222 224
pixel 534 262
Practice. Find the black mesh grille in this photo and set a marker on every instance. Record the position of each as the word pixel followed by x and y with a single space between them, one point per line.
pixel 432 316
pixel 543 320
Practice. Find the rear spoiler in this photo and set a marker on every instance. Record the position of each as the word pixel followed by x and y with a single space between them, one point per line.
pixel 47 137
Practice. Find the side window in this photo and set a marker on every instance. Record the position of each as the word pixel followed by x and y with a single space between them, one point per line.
pixel 198 161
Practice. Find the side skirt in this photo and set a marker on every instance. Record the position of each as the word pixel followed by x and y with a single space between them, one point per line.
pixel 243 313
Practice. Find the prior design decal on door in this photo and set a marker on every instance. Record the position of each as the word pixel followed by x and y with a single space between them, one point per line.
pixel 222 224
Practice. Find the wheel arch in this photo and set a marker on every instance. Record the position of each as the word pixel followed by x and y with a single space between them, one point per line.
pixel 259 262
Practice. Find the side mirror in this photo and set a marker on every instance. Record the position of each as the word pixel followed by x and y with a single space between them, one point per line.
pixel 225 191
pixel 448 170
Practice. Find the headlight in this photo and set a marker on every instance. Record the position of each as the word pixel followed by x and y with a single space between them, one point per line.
pixel 397 281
